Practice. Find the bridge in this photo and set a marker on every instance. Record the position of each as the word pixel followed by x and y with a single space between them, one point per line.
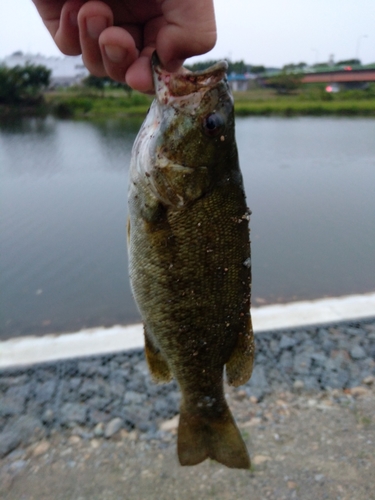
pixel 341 76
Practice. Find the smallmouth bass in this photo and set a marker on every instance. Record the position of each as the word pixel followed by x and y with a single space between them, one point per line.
pixel 189 255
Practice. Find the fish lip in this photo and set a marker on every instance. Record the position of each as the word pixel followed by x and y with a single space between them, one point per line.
pixel 185 82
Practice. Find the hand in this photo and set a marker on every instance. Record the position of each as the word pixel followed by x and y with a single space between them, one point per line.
pixel 117 37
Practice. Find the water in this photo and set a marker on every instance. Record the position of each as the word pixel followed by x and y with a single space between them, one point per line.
pixel 309 181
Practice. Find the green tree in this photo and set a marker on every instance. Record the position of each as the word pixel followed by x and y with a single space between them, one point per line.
pixel 285 83
pixel 349 62
pixel 23 83
pixel 295 67
pixel 104 82
pixel 201 65
pixel 95 82
pixel 257 69
pixel 238 67
pixel 124 86
pixel 321 65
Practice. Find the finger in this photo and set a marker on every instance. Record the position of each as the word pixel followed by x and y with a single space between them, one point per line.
pixel 118 52
pixel 50 13
pixel 139 74
pixel 60 18
pixel 190 31
pixel 93 18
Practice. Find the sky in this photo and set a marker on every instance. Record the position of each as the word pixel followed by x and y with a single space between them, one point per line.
pixel 267 32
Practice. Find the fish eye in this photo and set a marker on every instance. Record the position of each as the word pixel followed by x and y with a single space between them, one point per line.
pixel 213 124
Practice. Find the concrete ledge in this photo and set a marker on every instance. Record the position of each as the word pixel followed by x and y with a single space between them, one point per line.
pixel 314 312
pixel 30 350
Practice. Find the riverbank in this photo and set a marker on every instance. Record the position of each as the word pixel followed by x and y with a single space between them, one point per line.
pixel 96 394
pixel 251 103
pixel 87 428
pixel 290 107
pixel 84 104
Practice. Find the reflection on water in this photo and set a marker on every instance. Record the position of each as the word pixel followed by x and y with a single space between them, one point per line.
pixel 63 213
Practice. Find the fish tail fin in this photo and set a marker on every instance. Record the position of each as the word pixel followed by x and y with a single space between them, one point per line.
pixel 217 438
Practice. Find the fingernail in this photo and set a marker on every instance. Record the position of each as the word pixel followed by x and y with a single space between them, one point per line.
pixel 95 25
pixel 115 53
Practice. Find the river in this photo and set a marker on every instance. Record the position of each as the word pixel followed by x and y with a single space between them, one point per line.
pixel 63 210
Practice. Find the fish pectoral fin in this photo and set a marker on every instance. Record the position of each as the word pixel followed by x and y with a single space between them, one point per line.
pixel 204 437
pixel 189 184
pixel 177 185
pixel 240 364
pixel 157 364
pixel 151 210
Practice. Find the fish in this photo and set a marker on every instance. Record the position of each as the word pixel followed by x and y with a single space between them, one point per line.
pixel 189 255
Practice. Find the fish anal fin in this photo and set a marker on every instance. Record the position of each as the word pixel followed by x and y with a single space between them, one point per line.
pixel 200 437
pixel 240 364
pixel 157 364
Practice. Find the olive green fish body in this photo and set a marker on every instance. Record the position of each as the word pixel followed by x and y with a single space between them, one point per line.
pixel 189 258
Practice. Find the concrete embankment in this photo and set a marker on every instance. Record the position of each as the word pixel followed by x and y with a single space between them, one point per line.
pixel 99 392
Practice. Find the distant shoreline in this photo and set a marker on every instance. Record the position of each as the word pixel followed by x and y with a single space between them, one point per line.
pixel 81 105
pixel 307 108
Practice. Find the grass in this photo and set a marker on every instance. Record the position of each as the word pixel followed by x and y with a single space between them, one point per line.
pixel 82 103
pixel 90 104
pixel 289 107
pixel 310 101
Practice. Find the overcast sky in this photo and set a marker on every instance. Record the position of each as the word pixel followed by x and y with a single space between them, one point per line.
pixel 269 32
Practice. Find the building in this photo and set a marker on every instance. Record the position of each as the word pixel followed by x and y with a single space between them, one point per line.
pixel 241 82
pixel 65 71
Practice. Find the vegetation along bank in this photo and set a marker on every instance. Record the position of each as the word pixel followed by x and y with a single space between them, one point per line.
pixel 26 91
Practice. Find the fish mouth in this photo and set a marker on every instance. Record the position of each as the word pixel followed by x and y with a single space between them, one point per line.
pixel 185 82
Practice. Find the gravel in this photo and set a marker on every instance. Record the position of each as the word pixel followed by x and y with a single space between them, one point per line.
pixel 101 395
pixel 303 445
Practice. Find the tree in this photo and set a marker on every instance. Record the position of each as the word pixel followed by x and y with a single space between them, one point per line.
pixel 238 67
pixel 124 86
pixel 257 69
pixel 295 67
pixel 95 82
pixel 200 66
pixel 285 83
pixel 23 83
pixel 321 65
pixel 104 82
pixel 349 62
